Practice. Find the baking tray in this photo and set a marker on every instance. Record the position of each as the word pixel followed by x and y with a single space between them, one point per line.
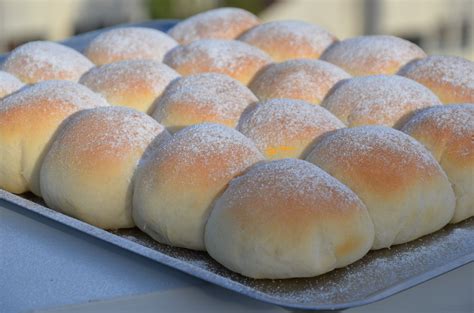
pixel 378 275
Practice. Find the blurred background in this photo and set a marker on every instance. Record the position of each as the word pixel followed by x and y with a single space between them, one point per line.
pixel 438 26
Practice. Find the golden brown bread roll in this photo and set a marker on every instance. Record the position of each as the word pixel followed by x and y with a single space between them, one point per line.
pixel 175 188
pixel 286 128
pixel 372 55
pixel 88 173
pixel 28 120
pixel 231 57
pixel 43 60
pixel 450 78
pixel 307 80
pixel 448 132
pixel 285 219
pixel 407 193
pixel 222 23
pixel 133 83
pixel 377 100
pixel 285 40
pixel 206 97
pixel 8 84
pixel 129 43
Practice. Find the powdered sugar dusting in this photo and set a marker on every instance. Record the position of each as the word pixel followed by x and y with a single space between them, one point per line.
pixel 379 99
pixel 286 123
pixel 42 60
pixel 289 39
pixel 286 178
pixel 8 84
pixel 359 144
pixel 209 97
pixel 222 23
pixel 369 55
pixel 129 43
pixel 457 120
pixel 230 57
pixel 223 151
pixel 132 78
pixel 307 80
pixel 115 128
pixel 59 94
pixel 443 70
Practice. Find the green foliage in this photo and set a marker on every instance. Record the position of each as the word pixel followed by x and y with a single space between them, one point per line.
pixel 174 9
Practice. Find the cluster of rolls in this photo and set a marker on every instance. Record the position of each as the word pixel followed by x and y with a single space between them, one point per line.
pixel 277 148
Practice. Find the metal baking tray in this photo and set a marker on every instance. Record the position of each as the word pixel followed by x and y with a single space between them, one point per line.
pixel 378 275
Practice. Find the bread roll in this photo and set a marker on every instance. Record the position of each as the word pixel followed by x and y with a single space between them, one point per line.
pixel 450 78
pixel 233 58
pixel 379 99
pixel 407 193
pixel 222 23
pixel 134 83
pixel 206 97
pixel 29 119
pixel 175 189
pixel 129 43
pixel 307 80
pixel 88 173
pixel 285 40
pixel 448 132
pixel 286 128
pixel 371 55
pixel 8 84
pixel 285 219
pixel 43 60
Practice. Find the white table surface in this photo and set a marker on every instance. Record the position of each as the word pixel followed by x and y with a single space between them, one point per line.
pixel 51 269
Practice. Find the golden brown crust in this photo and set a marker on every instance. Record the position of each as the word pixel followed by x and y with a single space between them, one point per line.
pixel 307 80
pixel 233 58
pixel 372 55
pixel 206 97
pixel 285 40
pixel 43 60
pixel 450 78
pixel 286 128
pixel 129 43
pixel 394 175
pixel 448 132
pixel 28 120
pixel 287 218
pixel 133 83
pixel 175 189
pixel 377 100
pixel 88 172
pixel 222 23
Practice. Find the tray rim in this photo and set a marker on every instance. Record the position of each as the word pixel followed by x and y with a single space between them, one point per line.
pixel 210 277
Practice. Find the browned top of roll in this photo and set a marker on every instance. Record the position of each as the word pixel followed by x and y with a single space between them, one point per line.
pixel 285 40
pixel 302 79
pixel 377 100
pixel 129 43
pixel 199 98
pixel 447 131
pixel 231 57
pixel 43 60
pixel 450 78
pixel 131 83
pixel 371 55
pixel 222 23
